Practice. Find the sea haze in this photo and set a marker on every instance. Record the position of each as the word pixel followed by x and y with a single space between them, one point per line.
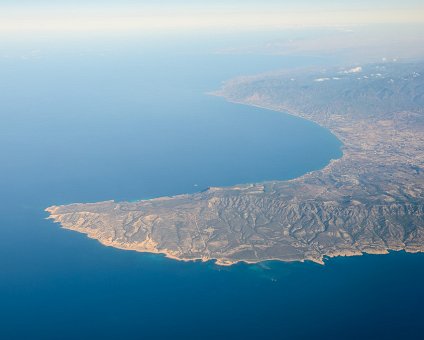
pixel 132 120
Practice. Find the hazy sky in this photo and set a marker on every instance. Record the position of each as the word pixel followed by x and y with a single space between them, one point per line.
pixel 297 3
pixel 25 16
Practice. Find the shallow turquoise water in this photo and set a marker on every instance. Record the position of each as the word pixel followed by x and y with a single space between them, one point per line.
pixel 135 123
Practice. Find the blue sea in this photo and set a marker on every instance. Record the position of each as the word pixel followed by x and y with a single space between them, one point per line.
pixel 128 119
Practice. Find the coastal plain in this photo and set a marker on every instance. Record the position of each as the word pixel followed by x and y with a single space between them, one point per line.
pixel 371 200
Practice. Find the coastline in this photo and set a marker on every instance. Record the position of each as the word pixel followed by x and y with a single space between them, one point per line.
pixel 344 189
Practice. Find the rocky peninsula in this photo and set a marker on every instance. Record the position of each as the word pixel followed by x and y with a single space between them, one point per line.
pixel 369 201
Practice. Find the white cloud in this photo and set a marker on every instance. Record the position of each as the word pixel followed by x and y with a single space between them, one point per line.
pixel 357 69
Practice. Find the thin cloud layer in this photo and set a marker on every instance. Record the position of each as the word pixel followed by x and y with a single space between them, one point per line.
pixel 106 18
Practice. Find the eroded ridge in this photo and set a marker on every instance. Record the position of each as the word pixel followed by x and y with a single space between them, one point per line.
pixel 369 201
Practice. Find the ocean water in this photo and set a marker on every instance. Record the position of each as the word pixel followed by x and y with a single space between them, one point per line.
pixel 130 120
